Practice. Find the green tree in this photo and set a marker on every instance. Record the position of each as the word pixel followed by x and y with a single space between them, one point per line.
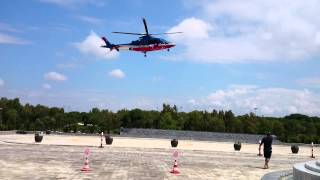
pixel 311 129
pixel 264 125
pixel 279 130
pixel 249 125
pixel 194 121
pixel 12 118
pixel 39 125
pixel 229 121
pixel 166 121
pixel 215 124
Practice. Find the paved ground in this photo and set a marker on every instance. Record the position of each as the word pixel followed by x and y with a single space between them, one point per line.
pixel 33 161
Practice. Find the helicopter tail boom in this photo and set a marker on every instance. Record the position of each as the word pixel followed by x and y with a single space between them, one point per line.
pixel 109 45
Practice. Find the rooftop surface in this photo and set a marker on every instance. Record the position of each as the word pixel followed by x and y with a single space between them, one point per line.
pixel 62 157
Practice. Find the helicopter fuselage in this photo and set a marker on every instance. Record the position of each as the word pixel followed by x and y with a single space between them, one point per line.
pixel 145 43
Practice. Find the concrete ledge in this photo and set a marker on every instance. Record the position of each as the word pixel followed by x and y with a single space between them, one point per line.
pixel 300 172
pixel 286 174
pixel 312 166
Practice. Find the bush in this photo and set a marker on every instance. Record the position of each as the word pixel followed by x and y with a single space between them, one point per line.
pixel 237 146
pixel 38 137
pixel 295 149
pixel 109 139
pixel 174 143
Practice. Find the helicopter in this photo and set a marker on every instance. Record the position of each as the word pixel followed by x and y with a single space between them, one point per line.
pixel 146 42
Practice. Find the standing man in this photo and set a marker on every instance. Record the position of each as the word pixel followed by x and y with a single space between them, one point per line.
pixel 267 149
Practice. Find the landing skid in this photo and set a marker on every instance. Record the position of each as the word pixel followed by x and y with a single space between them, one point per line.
pixel 145 53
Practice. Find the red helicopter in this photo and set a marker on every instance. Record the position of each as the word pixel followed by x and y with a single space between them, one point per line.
pixel 145 43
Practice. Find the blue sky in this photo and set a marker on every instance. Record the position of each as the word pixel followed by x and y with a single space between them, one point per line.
pixel 236 55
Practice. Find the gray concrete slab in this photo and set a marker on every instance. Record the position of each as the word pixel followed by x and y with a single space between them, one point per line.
pixel 26 161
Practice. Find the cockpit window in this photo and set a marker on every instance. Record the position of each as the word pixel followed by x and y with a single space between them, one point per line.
pixel 163 41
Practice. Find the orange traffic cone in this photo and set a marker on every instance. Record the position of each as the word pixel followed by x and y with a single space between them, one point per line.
pixel 175 169
pixel 86 167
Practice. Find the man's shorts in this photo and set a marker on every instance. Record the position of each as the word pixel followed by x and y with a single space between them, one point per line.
pixel 267 154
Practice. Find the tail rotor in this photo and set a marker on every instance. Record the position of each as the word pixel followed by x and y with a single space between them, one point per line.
pixel 109 45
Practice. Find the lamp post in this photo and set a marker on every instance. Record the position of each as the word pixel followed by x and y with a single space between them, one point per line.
pixel 255 111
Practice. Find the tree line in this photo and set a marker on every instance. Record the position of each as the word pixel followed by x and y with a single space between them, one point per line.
pixel 294 128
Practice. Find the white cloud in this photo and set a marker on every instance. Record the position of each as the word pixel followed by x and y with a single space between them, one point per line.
pixel 117 73
pixel 7 39
pixel 82 100
pixel 192 101
pixel 92 46
pixel 192 28
pixel 312 82
pixel 91 20
pixel 255 30
pixel 74 3
pixel 68 65
pixel 269 101
pixel 239 99
pixel 46 86
pixel 1 82
pixel 8 27
pixel 54 76
pixel 157 79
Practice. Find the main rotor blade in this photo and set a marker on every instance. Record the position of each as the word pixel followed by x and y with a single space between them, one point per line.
pixel 141 34
pixel 145 26
pixel 166 33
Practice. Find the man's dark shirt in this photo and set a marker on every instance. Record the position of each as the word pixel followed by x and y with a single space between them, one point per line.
pixel 267 141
